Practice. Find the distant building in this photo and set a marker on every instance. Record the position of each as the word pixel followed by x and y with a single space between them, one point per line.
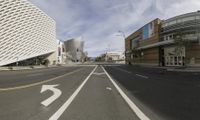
pixel 61 55
pixel 27 35
pixel 114 56
pixel 74 49
pixel 171 42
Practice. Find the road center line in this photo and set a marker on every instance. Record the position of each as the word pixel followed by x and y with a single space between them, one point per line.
pixel 38 83
pixel 60 111
pixel 142 76
pixel 135 109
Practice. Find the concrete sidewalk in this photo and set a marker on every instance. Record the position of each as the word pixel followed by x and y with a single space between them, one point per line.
pixel 9 68
pixel 173 68
pixel 184 69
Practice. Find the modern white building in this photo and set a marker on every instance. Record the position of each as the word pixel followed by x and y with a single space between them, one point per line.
pixel 25 32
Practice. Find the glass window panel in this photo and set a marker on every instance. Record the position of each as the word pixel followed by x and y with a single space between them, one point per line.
pixel 173 22
pixel 179 20
pixel 188 18
pixel 197 17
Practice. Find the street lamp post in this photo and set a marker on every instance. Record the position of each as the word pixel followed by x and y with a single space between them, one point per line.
pixel 123 35
pixel 124 38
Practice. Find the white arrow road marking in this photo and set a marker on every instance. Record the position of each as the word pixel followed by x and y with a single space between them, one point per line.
pixel 56 94
pixel 98 73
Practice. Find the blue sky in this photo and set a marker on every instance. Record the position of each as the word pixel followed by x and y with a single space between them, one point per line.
pixel 98 21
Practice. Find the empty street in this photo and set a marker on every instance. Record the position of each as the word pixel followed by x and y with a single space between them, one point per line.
pixel 99 92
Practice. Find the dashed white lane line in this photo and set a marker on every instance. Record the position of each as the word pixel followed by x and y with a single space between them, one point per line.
pixel 142 76
pixel 95 73
pixel 122 70
pixel 108 88
pixel 60 111
pixel 135 109
pixel 37 74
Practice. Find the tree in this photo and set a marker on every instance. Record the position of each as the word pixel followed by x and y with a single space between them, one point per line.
pixel 98 59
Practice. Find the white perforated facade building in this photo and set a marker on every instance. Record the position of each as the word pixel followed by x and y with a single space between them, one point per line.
pixel 25 32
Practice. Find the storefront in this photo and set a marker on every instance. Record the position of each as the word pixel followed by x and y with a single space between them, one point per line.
pixel 173 57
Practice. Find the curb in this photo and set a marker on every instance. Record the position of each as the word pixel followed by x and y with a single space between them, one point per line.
pixel 24 68
pixel 179 70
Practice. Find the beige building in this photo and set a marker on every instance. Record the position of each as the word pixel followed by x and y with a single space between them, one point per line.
pixel 114 56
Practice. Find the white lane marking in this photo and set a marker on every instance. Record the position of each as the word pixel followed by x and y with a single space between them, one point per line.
pixel 122 70
pixel 108 88
pixel 95 73
pixel 135 109
pixel 142 76
pixel 112 65
pixel 56 94
pixel 60 111
pixel 31 75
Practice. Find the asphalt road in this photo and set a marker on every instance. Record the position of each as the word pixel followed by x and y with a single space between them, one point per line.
pixel 118 92
pixel 161 94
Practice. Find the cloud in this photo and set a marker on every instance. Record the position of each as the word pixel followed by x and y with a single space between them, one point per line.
pixel 99 20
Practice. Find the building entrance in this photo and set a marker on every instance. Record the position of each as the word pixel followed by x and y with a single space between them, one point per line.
pixel 172 58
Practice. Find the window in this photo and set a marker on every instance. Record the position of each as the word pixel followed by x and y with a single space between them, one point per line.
pixel 135 42
pixel 178 20
pixel 188 19
pixel 197 17
pixel 172 22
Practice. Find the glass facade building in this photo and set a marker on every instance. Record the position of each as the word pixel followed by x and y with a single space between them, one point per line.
pixel 177 42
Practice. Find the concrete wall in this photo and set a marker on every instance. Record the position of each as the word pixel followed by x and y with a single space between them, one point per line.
pixel 52 58
pixel 150 56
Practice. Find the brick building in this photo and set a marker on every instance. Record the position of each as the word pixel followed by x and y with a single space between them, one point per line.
pixel 137 50
pixel 171 42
